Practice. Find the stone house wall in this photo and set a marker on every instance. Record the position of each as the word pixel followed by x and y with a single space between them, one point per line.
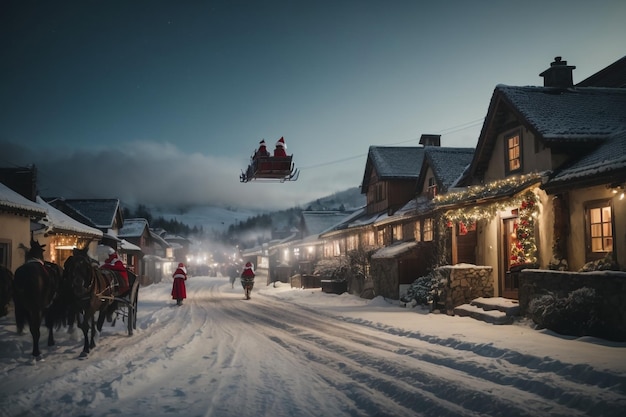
pixel 609 286
pixel 463 284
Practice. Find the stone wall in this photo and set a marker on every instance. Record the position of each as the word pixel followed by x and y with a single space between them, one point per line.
pixel 465 283
pixel 610 287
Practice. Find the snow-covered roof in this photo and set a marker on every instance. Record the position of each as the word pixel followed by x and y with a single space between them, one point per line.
pixel 57 221
pixel 394 250
pixel 127 246
pixel 159 240
pixel 101 212
pixel 575 114
pixel 133 228
pixel 319 221
pixel 448 163
pixel 362 218
pixel 606 159
pixel 15 202
pixel 393 162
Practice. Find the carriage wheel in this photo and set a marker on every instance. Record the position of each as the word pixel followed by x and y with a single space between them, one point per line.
pixel 132 308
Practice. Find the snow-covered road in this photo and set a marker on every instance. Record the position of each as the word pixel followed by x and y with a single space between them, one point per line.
pixel 220 355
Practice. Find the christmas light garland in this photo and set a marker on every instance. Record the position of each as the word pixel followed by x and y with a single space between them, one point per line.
pixel 523 247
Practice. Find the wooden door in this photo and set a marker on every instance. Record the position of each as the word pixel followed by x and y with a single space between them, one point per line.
pixel 509 281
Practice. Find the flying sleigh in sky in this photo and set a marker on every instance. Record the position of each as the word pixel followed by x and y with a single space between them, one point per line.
pixel 267 167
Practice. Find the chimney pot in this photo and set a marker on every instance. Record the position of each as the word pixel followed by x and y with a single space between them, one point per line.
pixel 559 74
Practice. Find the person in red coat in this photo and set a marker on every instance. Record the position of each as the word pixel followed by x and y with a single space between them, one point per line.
pixel 114 263
pixel 262 149
pixel 280 148
pixel 179 290
pixel 247 279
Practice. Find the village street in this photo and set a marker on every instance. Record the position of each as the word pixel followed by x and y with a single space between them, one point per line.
pixel 279 355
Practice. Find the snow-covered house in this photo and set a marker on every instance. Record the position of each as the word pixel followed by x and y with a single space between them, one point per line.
pixel 57 231
pixel 415 248
pixel 544 186
pixel 137 232
pixel 62 234
pixel 308 250
pixel 16 213
pixel 389 183
pixel 103 214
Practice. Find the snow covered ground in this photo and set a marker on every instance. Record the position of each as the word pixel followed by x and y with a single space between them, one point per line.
pixel 293 352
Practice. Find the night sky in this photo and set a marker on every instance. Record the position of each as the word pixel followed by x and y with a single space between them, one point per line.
pixel 163 102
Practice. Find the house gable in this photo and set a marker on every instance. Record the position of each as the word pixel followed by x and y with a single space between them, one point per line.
pixel 554 126
pixel 442 168
pixel 390 176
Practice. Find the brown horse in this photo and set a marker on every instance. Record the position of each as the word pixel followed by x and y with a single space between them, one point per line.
pixel 94 291
pixel 35 288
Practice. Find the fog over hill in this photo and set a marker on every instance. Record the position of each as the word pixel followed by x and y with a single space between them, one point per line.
pixel 218 219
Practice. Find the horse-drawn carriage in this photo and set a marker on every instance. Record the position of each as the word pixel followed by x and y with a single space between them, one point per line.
pixel 126 305
pixel 80 292
pixel 97 290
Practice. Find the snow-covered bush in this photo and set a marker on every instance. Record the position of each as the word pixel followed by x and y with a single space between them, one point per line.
pixel 330 267
pixel 605 264
pixel 425 289
pixel 574 315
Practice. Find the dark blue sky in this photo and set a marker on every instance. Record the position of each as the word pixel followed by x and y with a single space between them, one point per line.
pixel 186 89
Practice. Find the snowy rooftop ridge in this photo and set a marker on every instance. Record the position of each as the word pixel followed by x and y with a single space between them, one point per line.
pixel 133 227
pixel 60 222
pixel 397 161
pixel 609 156
pixel 578 114
pixel 11 199
pixel 448 163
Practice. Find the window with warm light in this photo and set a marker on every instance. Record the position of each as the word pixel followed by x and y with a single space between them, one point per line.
pixel 599 229
pixel 397 232
pixel 352 243
pixel 418 231
pixel 428 230
pixel 513 149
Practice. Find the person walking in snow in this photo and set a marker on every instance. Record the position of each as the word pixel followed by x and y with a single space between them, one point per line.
pixel 179 290
pixel 247 279
pixel 280 149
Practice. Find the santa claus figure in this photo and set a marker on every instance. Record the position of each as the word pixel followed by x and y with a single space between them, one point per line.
pixel 262 149
pixel 179 290
pixel 114 263
pixel 280 148
pixel 247 279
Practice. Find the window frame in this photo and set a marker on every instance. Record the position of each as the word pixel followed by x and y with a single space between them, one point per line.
pixel 507 152
pixel 590 254
pixel 5 253
pixel 428 229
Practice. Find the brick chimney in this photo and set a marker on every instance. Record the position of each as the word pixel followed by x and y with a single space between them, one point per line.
pixel 430 140
pixel 558 75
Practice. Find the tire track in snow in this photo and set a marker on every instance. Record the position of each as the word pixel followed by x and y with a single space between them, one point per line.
pixel 565 395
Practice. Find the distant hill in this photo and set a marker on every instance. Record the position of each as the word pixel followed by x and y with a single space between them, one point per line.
pixel 348 199
pixel 219 219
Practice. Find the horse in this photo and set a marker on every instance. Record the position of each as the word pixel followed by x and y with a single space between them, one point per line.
pixel 94 291
pixel 35 288
pixel 6 289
